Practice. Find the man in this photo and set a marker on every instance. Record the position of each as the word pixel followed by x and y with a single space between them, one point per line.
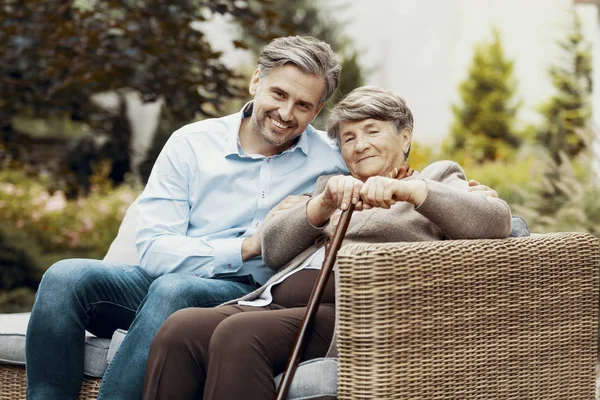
pixel 200 216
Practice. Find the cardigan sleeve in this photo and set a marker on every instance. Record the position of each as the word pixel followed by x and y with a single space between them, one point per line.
pixel 289 233
pixel 461 214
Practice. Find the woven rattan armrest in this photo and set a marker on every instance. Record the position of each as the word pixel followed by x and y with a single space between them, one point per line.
pixel 469 319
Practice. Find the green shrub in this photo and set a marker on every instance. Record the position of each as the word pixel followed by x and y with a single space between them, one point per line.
pixel 57 224
pixel 19 260
pixel 18 300
pixel 510 180
pixel 563 199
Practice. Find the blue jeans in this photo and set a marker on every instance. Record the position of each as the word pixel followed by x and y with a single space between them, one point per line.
pixel 80 294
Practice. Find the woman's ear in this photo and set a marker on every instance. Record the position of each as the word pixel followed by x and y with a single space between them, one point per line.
pixel 254 82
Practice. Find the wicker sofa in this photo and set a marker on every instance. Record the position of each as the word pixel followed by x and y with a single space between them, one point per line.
pixel 506 319
pixel 481 319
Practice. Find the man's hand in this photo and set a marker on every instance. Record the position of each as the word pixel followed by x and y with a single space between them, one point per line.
pixel 251 246
pixel 477 187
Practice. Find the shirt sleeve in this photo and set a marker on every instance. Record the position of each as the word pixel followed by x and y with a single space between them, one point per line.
pixel 163 219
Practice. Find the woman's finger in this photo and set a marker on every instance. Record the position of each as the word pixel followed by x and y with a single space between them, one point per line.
pixel 380 193
pixel 347 192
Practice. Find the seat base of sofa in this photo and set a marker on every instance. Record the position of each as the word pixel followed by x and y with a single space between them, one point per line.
pixel 14 384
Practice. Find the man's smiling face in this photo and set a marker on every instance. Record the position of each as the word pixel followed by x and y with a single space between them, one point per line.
pixel 286 100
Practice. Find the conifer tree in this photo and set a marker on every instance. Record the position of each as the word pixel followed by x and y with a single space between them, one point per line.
pixel 565 198
pixel 567 113
pixel 484 121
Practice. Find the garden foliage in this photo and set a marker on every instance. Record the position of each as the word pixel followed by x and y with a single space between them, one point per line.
pixel 484 125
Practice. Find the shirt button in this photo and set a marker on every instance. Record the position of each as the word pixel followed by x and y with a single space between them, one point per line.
pixel 229 266
pixel 262 195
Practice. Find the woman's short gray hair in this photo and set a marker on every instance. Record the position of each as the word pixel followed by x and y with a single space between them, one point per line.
pixel 370 102
pixel 312 56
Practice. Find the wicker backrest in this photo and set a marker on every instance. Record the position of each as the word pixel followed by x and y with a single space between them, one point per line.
pixel 469 319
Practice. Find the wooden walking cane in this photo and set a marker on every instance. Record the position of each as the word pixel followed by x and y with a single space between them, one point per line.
pixel 313 303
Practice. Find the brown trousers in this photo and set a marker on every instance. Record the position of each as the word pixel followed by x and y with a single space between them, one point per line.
pixel 233 352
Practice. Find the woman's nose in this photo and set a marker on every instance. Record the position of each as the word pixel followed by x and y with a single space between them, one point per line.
pixel 361 144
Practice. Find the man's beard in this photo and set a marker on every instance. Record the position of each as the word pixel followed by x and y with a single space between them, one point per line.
pixel 262 135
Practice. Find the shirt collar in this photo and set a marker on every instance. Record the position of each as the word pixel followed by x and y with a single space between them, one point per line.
pixel 233 143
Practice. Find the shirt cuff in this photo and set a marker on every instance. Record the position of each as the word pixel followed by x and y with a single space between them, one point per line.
pixel 228 255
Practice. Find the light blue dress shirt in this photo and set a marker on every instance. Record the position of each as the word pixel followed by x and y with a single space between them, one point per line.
pixel 205 195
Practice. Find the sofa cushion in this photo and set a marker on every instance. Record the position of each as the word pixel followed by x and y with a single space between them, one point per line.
pixel 314 379
pixel 12 345
pixel 122 249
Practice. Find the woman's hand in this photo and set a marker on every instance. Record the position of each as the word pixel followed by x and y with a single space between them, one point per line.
pixel 385 192
pixel 340 191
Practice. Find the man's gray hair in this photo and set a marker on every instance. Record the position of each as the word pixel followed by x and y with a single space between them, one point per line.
pixel 312 56
pixel 370 102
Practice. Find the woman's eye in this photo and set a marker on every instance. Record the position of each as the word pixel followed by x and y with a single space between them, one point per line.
pixel 373 132
pixel 348 139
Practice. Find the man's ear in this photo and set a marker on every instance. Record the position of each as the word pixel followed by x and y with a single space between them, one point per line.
pixel 318 110
pixel 254 82
pixel 406 139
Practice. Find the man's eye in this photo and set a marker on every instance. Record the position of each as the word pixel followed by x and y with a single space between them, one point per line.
pixel 278 94
pixel 373 132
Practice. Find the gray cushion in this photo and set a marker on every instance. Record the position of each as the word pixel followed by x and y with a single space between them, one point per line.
pixel 314 379
pixel 12 345
pixel 115 342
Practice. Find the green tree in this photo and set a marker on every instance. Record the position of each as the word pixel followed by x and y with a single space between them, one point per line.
pixel 484 121
pixel 567 113
pixel 565 198
pixel 54 55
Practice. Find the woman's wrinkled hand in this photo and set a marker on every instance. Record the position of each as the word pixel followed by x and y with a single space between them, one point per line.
pixel 385 192
pixel 340 191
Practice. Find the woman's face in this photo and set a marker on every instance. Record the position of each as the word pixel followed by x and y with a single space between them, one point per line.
pixel 372 147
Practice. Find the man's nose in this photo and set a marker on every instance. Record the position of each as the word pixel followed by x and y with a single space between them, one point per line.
pixel 285 111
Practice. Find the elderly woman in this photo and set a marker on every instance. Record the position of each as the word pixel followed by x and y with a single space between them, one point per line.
pixel 233 351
